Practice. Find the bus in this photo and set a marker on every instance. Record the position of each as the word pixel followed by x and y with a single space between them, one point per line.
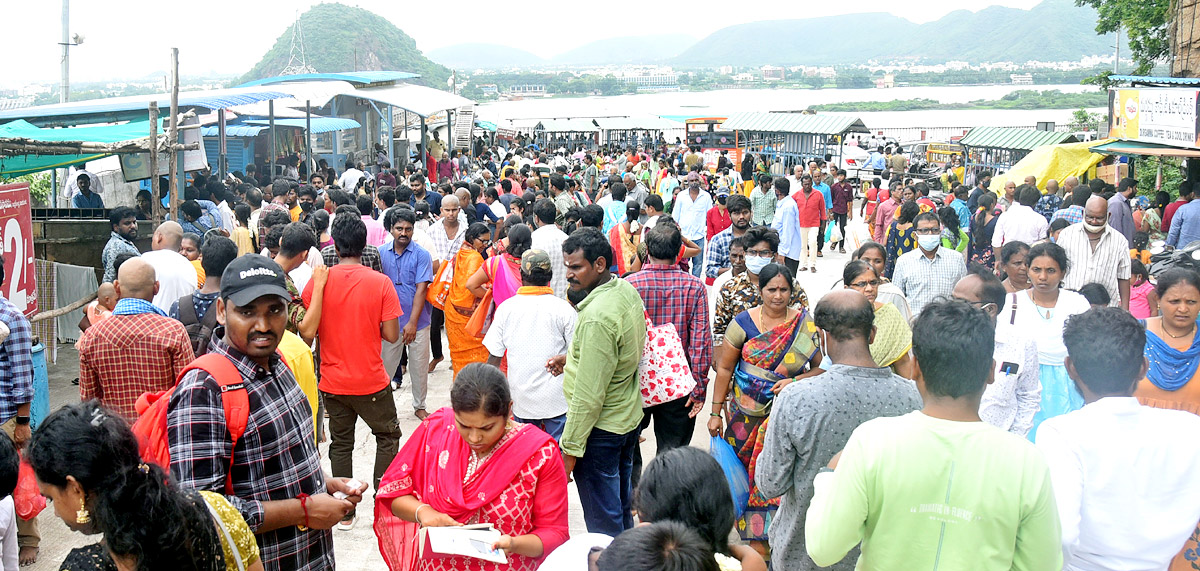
pixel 705 134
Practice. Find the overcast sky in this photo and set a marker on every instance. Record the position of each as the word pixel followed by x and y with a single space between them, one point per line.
pixel 131 38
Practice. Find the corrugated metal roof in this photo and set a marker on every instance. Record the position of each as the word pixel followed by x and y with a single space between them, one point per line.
pixel 632 123
pixel 211 99
pixel 1152 79
pixel 423 101
pixel 568 125
pixel 233 130
pixel 363 78
pixel 319 124
pixel 814 123
pixel 1139 148
pixel 1013 139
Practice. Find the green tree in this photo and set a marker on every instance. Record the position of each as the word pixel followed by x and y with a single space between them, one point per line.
pixel 1144 22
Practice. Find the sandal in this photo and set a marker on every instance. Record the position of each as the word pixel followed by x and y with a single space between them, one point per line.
pixel 813 269
pixel 801 269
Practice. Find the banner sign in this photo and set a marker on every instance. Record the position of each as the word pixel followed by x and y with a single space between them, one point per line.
pixel 1155 115
pixel 16 241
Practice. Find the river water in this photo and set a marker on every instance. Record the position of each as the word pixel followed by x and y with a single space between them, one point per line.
pixel 726 102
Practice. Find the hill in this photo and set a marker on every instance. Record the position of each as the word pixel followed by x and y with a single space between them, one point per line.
pixel 629 49
pixel 483 56
pixel 342 38
pixel 1055 30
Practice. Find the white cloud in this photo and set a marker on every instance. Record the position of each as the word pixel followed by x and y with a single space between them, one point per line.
pixel 127 39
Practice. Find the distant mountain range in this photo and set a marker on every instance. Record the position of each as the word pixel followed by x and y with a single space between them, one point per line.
pixel 1055 30
pixel 625 50
pixel 344 38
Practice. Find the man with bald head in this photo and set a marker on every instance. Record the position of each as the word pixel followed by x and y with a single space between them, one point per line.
pixel 1051 200
pixel 137 350
pixel 812 420
pixel 176 274
pixel 1068 186
pixel 1097 252
pixel 446 236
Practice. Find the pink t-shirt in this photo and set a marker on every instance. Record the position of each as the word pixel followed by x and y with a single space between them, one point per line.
pixel 1139 303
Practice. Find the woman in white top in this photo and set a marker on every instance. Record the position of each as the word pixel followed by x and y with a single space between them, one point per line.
pixel 873 253
pixel 1040 313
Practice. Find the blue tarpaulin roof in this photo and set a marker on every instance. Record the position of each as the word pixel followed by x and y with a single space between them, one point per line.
pixel 252 127
pixel 33 162
pixel 359 77
pixel 212 99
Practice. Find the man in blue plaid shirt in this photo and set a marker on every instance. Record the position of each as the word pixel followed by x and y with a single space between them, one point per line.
pixel 274 470
pixel 16 392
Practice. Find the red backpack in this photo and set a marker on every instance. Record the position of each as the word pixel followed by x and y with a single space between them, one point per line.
pixel 151 425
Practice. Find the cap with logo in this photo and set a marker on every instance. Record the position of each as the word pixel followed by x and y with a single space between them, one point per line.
pixel 533 258
pixel 250 277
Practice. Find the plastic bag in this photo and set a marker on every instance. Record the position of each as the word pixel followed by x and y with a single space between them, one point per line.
pixel 29 502
pixel 832 234
pixel 735 472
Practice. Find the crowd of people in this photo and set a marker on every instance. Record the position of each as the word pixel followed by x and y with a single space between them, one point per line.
pixel 989 386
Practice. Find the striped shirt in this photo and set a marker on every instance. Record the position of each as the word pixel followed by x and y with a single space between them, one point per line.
pixel 1107 264
pixel 924 280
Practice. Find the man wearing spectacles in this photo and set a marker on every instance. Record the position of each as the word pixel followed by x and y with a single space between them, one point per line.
pixel 1014 396
pixel 930 271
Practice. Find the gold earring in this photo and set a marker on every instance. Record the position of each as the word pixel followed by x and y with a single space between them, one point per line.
pixel 82 516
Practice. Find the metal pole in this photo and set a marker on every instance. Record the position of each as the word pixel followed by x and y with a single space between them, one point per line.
pixel 65 85
pixel 421 149
pixel 308 139
pixel 449 132
pixel 223 152
pixel 391 135
pixel 155 199
pixel 173 136
pixel 271 145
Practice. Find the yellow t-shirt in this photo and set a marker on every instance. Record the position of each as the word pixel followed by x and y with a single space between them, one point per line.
pixel 299 359
pixel 232 530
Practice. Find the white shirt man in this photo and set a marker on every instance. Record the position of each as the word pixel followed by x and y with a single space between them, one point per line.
pixel 175 274
pixel 1020 223
pixel 349 180
pixel 548 238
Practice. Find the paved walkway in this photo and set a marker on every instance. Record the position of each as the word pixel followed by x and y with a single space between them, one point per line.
pixel 357 549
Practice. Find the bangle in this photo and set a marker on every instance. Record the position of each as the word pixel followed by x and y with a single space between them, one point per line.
pixel 304 507
pixel 417 514
pixel 718 402
pixel 716 414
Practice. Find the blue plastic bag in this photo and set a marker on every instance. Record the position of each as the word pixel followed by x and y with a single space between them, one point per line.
pixel 735 472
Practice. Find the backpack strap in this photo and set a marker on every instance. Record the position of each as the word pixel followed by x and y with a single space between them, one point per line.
pixel 1012 318
pixel 234 399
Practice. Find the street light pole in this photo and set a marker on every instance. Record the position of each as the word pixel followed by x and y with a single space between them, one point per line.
pixel 65 86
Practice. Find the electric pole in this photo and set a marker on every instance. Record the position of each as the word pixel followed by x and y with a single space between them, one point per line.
pixel 65 85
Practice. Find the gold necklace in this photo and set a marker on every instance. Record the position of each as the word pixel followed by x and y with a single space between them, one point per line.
pixel 1193 330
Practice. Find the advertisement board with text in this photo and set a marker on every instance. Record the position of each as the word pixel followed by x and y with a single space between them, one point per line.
pixel 16 242
pixel 1155 115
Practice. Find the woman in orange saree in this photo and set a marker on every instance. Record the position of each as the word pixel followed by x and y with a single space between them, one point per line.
pixel 461 302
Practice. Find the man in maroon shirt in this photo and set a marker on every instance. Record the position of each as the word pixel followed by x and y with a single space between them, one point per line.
pixel 1186 194
pixel 843 199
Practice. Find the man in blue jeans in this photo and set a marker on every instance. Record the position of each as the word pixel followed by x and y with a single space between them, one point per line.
pixel 600 381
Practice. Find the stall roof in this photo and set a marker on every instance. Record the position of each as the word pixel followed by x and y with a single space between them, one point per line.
pixel 423 101
pixel 1151 80
pixel 814 123
pixel 577 125
pixel 649 122
pixel 24 134
pixel 1138 148
pixel 75 112
pixel 1013 139
pixel 252 127
pixel 362 78
pixel 1052 161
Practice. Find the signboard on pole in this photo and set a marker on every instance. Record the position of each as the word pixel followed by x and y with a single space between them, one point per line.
pixel 136 166
pixel 16 241
pixel 1155 115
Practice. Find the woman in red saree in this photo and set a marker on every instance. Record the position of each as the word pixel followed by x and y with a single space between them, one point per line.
pixel 624 238
pixel 472 464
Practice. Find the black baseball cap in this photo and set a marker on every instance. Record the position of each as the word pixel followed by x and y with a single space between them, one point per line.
pixel 250 277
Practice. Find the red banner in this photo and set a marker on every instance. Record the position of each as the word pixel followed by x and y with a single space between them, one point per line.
pixel 16 241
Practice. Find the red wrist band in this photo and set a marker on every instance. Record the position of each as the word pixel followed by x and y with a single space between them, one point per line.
pixel 304 506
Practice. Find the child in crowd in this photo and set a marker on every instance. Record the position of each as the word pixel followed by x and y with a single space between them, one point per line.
pixel 101 308
pixel 1139 252
pixel 1096 295
pixel 1143 301
pixel 241 232
pixel 1056 227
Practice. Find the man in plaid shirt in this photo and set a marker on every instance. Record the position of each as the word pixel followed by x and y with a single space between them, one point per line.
pixel 674 296
pixel 16 392
pixel 275 469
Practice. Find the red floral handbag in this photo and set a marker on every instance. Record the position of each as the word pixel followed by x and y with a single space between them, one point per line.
pixel 664 372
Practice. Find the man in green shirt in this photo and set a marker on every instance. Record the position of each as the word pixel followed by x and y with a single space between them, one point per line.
pixel 600 381
pixel 939 488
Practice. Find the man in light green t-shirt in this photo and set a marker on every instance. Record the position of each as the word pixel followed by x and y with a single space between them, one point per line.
pixel 939 488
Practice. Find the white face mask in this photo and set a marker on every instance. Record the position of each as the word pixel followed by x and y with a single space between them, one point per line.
pixel 755 264
pixel 929 243
pixel 1093 228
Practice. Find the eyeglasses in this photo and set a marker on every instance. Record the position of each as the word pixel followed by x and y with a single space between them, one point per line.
pixel 760 253
pixel 927 231
pixel 860 285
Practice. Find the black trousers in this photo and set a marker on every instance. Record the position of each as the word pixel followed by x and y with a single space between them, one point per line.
pixel 672 429
pixel 840 220
pixel 821 236
pixel 436 322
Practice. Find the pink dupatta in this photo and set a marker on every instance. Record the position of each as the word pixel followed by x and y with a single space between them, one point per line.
pixel 430 466
pixel 506 277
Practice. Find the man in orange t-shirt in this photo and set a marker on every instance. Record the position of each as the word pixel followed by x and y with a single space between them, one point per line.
pixel 353 381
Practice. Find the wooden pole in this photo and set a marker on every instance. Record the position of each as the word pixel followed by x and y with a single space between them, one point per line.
pixel 173 134
pixel 155 199
pixel 223 153
pixel 312 167
pixel 271 145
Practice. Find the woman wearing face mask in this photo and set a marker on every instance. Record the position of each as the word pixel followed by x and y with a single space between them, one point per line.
pixel 893 336
pixel 471 464
pixel 1014 266
pixel 887 292
pixel 1040 312
pixel 765 348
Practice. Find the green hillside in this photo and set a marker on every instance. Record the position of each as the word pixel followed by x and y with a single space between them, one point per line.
pixel 1055 30
pixel 333 33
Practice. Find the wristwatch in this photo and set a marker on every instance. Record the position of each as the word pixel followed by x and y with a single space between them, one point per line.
pixel 22 420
